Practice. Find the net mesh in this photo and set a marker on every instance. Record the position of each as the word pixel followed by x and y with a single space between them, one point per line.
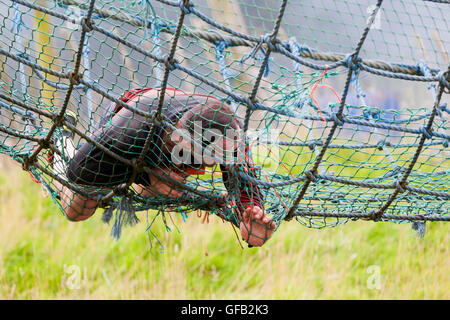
pixel 341 105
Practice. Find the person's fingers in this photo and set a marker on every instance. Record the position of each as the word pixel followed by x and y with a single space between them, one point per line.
pixel 249 211
pixel 246 216
pixel 256 213
pixel 269 221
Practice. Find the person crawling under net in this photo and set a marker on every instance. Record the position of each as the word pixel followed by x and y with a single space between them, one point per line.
pixel 124 133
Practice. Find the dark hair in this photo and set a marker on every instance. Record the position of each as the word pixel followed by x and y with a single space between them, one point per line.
pixel 213 114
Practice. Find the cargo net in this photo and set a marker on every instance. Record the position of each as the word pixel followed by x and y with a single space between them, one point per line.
pixel 338 107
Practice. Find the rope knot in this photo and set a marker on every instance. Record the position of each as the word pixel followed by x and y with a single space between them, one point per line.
pixel 381 144
pixel 310 175
pixel 45 144
pixel 337 118
pixel 74 78
pixel 311 145
pixel 423 68
pixel 443 78
pixel 427 134
pixel 270 41
pixel 352 62
pixel 170 63
pixel 400 186
pixel 375 216
pixel 138 165
pixel 249 102
pixel 186 8
pixel 87 24
pixel 59 121
pixel 442 108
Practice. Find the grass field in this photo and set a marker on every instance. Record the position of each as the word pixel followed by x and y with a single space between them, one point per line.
pixel 43 256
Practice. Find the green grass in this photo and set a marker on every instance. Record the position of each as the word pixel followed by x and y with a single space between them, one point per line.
pixel 205 261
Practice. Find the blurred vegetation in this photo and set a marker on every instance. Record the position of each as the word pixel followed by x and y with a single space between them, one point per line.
pixel 44 256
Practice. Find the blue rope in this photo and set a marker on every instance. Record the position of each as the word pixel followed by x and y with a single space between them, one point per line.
pixel 26 114
pixel 298 70
pixel 87 75
pixel 17 20
pixel 155 28
pixel 86 65
pixel 375 116
pixel 303 101
pixel 253 54
pixel 420 226
pixel 224 70
pixel 18 23
pixel 124 215
pixel 45 80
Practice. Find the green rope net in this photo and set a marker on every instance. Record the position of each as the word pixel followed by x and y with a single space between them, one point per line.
pixel 340 106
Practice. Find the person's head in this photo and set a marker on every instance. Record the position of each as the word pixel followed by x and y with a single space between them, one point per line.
pixel 214 126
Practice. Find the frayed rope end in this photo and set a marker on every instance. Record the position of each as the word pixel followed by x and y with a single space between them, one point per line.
pixel 124 214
